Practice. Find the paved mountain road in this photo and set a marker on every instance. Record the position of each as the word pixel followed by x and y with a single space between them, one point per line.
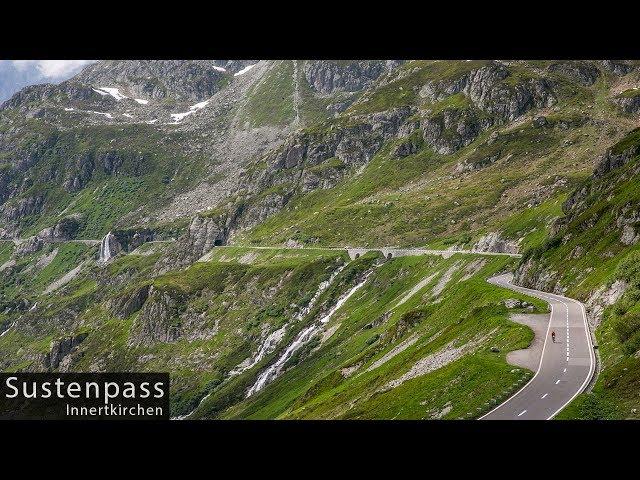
pixel 357 251
pixel 565 368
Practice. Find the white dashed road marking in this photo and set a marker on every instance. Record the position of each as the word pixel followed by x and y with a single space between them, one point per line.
pixel 544 396
pixel 522 413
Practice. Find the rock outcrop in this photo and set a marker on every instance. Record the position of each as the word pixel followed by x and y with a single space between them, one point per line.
pixel 584 73
pixel 126 305
pixel 192 80
pixel 494 242
pixel 71 92
pixel 158 319
pixel 492 100
pixel 629 102
pixel 328 76
pixel 617 67
pixel 61 350
pixel 601 299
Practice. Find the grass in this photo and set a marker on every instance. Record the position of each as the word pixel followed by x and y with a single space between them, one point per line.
pixel 409 78
pixel 270 102
pixel 316 389
pixel 6 249
pixel 532 224
pixel 241 291
pixel 151 169
pixel 69 256
pixel 593 228
pixel 420 199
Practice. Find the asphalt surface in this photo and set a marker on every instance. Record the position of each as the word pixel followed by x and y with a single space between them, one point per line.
pixel 565 368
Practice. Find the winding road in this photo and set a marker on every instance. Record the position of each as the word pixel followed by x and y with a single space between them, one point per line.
pixel 566 365
pixel 565 368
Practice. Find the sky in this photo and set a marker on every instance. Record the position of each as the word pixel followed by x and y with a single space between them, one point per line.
pixel 16 74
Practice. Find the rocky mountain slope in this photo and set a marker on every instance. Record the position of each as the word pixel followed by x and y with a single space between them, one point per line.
pixel 592 254
pixel 175 158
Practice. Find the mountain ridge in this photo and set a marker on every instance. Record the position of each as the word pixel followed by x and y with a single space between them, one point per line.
pixel 494 156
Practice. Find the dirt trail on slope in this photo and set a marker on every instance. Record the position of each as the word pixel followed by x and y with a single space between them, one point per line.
pixel 420 285
pixel 530 357
pixel 450 353
pixel 66 278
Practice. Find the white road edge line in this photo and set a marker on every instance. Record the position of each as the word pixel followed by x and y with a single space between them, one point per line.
pixel 591 359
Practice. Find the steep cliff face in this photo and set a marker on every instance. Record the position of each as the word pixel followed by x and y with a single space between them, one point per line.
pixel 601 219
pixel 327 76
pixel 157 320
pixel 465 106
pixel 193 80
pixel 59 356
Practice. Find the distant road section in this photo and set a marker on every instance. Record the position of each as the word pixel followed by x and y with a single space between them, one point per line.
pixel 395 252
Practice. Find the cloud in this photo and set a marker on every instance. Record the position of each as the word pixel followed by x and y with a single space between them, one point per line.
pixel 52 68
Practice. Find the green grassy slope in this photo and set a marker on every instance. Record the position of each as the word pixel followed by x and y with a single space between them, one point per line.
pixel 512 178
pixel 368 326
pixel 153 168
pixel 416 200
pixel 588 254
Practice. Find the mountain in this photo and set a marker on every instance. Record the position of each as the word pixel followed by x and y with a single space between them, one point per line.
pixel 592 254
pixel 16 74
pixel 133 197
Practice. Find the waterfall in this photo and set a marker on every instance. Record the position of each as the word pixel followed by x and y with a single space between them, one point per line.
pixel 321 288
pixel 271 342
pixel 301 339
pixel 105 248
pixel 268 345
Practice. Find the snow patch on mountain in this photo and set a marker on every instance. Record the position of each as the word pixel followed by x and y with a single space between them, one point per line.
pixel 244 70
pixel 177 117
pixel 114 92
pixel 108 115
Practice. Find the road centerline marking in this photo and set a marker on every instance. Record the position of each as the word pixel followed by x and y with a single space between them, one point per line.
pixel 522 413
pixel 543 396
